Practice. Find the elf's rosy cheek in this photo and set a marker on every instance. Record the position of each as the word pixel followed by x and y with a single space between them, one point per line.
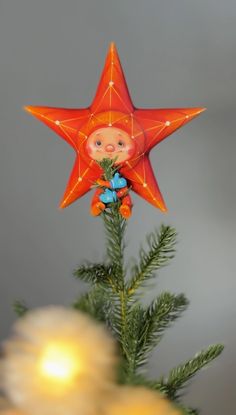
pixel 90 149
pixel 130 151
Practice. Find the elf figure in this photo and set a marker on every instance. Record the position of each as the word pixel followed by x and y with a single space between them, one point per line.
pixel 112 191
pixel 115 144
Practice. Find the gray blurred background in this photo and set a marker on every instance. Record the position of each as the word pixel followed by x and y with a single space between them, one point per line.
pixel 174 53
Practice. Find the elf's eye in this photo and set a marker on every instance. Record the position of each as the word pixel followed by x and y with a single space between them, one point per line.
pixel 120 143
pixel 98 143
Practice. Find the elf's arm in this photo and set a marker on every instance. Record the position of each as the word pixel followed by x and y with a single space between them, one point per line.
pixel 104 183
pixel 117 182
pixel 97 206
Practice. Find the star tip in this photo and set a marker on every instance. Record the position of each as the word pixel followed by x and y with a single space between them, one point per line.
pixel 61 206
pixel 194 112
pixel 112 51
pixel 161 205
pixel 202 109
pixel 112 45
pixel 164 209
pixel 27 108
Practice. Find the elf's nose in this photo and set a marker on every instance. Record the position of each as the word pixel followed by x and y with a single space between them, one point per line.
pixel 110 148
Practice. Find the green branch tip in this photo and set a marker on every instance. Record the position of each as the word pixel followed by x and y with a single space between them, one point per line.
pixel 161 250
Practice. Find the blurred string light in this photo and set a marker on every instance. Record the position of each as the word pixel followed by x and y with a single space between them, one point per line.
pixel 59 363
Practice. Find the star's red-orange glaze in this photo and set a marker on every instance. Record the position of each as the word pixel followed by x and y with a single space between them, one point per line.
pixel 112 107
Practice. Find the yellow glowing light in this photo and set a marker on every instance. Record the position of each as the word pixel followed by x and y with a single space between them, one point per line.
pixel 59 363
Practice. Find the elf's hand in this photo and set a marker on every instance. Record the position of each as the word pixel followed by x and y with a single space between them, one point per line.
pixel 104 183
pixel 118 182
pixel 109 196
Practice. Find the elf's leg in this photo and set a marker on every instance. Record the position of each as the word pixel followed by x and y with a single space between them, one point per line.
pixel 126 207
pixel 122 192
pixel 96 205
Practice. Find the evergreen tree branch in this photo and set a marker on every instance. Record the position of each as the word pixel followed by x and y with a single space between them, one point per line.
pixel 97 303
pixel 189 411
pixel 186 410
pixel 132 339
pixel 138 329
pixel 180 375
pixel 146 326
pixel 20 308
pixel 96 274
pixel 115 227
pixel 161 251
pixel 109 168
pixel 140 380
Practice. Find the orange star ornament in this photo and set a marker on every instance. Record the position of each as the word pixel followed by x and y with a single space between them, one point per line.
pixel 113 128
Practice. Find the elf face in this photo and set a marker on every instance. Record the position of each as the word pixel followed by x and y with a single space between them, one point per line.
pixel 110 142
